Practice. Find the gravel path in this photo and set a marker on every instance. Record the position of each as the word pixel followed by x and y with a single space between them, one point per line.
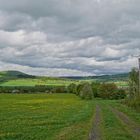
pixel 95 132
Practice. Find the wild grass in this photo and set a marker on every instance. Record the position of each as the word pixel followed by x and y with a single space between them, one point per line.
pixel 42 116
pixel 112 127
pixel 60 117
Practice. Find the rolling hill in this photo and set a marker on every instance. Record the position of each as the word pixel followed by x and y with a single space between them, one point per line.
pixel 16 74
pixel 17 78
pixel 11 75
pixel 121 77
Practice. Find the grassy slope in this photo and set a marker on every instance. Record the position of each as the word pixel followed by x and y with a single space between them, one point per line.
pixel 41 116
pixel 7 75
pixel 15 78
pixel 11 78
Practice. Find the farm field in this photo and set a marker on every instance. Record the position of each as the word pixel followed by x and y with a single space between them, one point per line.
pixel 121 83
pixel 42 116
pixel 39 81
pixel 16 78
pixel 52 82
pixel 65 117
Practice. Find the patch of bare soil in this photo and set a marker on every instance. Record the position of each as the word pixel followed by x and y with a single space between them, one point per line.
pixel 95 132
pixel 133 126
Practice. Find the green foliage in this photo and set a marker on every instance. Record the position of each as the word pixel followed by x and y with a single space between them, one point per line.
pixel 108 91
pixel 72 88
pixel 59 89
pixel 133 100
pixel 85 91
pixel 133 82
pixel 79 87
pixel 33 89
pixel 119 94
pixel 101 90
pixel 95 88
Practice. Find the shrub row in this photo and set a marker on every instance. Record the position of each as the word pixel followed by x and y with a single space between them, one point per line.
pixel 108 91
pixel 33 89
pixel 84 90
pixel 104 90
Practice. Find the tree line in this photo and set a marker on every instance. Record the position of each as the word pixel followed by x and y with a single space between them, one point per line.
pixel 133 97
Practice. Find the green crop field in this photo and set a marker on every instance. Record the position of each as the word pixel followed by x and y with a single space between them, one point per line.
pixel 39 81
pixel 51 82
pixel 65 117
pixel 16 78
pixel 121 83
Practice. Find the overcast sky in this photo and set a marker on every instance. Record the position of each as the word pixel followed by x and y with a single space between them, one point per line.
pixel 69 37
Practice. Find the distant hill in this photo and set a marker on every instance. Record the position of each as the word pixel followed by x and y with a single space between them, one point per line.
pixel 16 74
pixel 9 75
pixel 123 76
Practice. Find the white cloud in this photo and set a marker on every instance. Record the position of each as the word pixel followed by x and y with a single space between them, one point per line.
pixel 73 37
pixel 54 72
pixel 21 38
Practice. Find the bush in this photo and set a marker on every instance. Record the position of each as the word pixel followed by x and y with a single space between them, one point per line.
pixel 106 90
pixel 59 89
pixel 85 91
pixel 78 89
pixel 133 102
pixel 33 89
pixel 110 91
pixel 72 88
pixel 95 88
pixel 118 94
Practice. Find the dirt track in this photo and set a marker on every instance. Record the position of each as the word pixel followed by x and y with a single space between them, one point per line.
pixel 127 121
pixel 95 132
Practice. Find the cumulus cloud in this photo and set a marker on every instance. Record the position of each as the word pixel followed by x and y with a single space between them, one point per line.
pixel 73 37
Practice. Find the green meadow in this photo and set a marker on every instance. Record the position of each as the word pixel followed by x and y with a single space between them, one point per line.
pixel 51 82
pixel 57 116
pixel 42 116
pixel 63 117
pixel 37 81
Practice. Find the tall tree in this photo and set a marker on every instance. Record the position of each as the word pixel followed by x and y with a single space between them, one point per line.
pixel 134 82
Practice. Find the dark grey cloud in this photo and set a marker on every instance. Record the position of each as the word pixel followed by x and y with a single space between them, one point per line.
pixel 73 36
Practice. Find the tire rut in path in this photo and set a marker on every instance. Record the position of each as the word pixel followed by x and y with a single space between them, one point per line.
pixel 135 128
pixel 95 133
